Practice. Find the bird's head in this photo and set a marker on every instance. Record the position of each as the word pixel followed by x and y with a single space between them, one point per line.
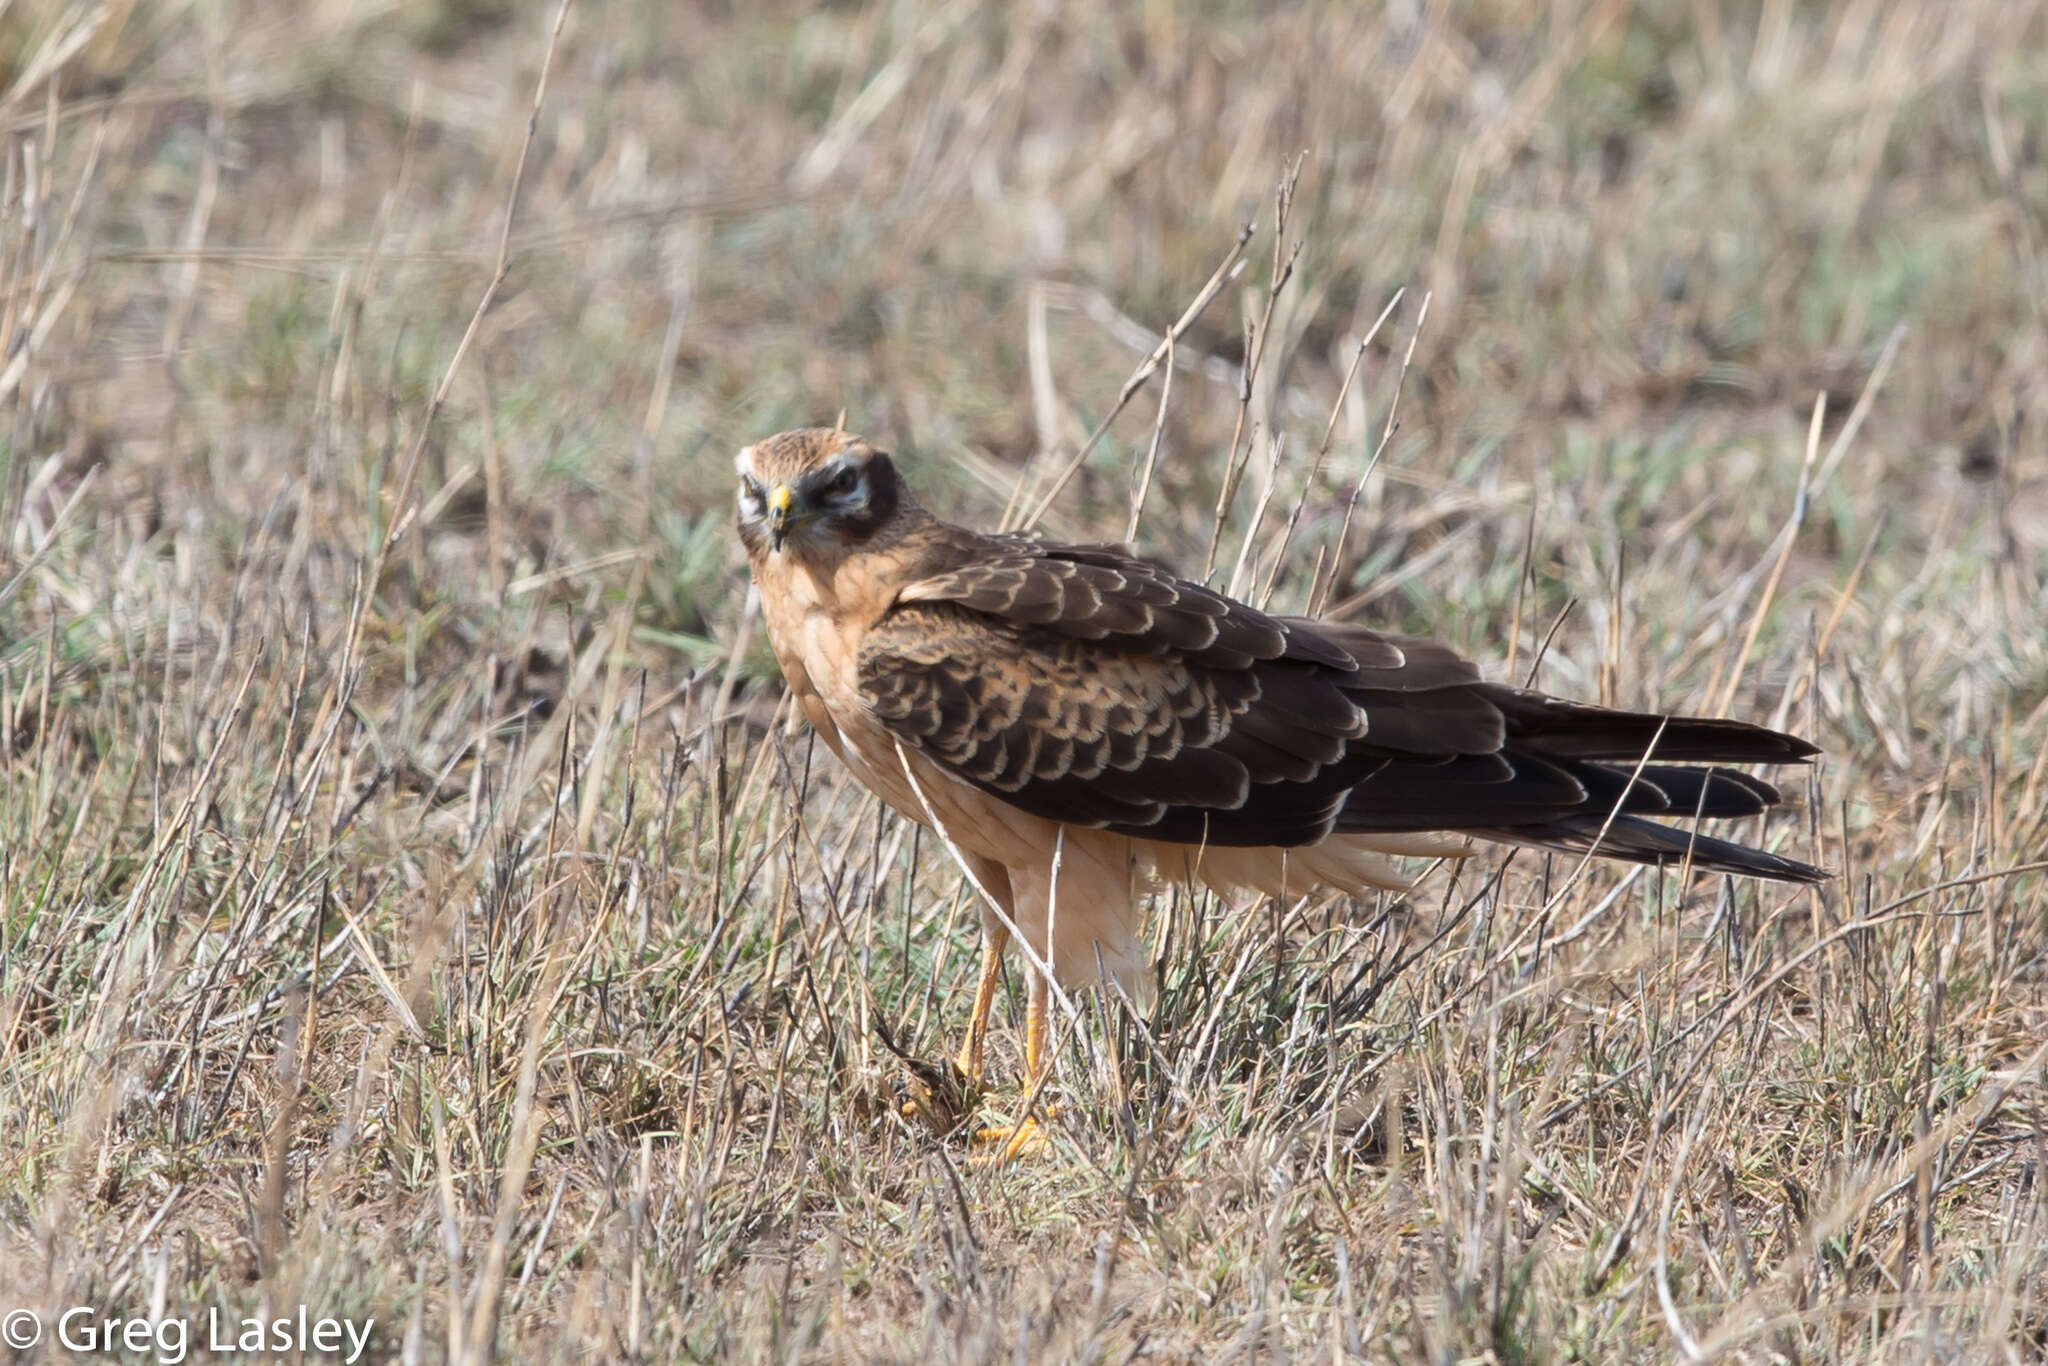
pixel 813 490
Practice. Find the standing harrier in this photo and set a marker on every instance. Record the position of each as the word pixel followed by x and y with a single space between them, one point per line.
pixel 1077 708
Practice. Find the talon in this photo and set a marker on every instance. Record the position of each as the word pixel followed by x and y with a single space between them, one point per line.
pixel 1025 1136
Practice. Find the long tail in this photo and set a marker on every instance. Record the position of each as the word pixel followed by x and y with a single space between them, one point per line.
pixel 1600 748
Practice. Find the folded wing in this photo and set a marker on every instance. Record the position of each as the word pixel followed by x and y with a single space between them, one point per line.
pixel 1085 685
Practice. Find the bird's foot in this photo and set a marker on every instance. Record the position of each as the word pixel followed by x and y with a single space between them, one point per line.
pixel 1008 1142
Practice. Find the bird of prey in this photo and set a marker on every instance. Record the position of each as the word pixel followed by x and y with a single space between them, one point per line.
pixel 1078 723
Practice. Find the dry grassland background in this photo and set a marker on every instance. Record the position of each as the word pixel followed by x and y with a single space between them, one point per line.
pixel 412 903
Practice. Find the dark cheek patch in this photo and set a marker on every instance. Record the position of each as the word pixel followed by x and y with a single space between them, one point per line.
pixel 858 524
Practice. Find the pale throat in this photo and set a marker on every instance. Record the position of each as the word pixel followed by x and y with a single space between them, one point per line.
pixel 844 589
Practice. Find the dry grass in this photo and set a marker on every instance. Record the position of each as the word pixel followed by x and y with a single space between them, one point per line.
pixel 410 905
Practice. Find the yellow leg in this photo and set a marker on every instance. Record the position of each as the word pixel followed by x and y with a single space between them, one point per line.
pixel 1026 1135
pixel 1035 1003
pixel 994 939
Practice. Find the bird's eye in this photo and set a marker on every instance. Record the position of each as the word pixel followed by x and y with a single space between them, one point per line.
pixel 750 492
pixel 845 481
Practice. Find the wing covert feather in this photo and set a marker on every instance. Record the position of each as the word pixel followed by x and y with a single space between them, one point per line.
pixel 1091 593
pixel 1033 715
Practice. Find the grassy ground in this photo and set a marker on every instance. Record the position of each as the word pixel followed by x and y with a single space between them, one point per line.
pixel 412 906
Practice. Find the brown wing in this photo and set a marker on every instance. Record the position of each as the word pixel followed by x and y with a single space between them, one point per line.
pixel 1093 734
pixel 1103 593
pixel 1084 685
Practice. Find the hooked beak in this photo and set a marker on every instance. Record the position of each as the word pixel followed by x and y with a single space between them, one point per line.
pixel 778 516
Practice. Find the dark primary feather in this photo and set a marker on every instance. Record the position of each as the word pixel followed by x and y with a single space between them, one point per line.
pixel 1087 685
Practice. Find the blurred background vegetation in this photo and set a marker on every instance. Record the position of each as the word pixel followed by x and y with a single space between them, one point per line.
pixel 1651 234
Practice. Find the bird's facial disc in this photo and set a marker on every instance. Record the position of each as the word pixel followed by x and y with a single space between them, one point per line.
pixel 833 495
